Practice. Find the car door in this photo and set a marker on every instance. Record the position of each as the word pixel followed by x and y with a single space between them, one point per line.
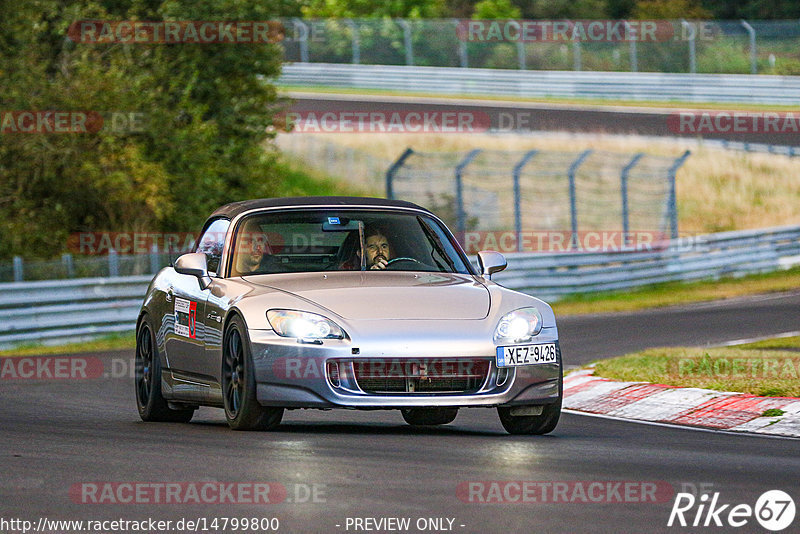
pixel 186 347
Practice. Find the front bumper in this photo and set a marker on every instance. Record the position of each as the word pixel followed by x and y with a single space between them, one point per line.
pixel 298 375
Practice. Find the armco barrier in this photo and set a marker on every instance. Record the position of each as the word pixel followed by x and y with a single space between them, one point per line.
pixel 551 276
pixel 643 86
pixel 70 310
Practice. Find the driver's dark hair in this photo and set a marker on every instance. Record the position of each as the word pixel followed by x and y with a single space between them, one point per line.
pixel 375 229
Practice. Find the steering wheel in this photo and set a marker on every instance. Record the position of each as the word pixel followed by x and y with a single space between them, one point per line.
pixel 395 261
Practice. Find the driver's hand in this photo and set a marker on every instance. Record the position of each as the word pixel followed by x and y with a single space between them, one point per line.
pixel 380 263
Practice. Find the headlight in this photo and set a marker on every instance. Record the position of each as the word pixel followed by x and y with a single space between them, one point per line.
pixel 303 325
pixel 518 326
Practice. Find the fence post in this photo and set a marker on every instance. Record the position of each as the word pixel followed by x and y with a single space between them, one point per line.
pixel 576 55
pixel 303 38
pixel 407 42
pixel 154 263
pixel 623 183
pixel 113 263
pixel 752 32
pixel 518 195
pixel 69 266
pixel 356 40
pixel 19 269
pixel 573 208
pixel 692 32
pixel 634 58
pixel 462 218
pixel 392 170
pixel 462 46
pixel 673 203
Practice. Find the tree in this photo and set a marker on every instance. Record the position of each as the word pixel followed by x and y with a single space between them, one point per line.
pixel 206 108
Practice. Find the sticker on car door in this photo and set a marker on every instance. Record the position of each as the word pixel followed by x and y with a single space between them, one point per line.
pixel 185 317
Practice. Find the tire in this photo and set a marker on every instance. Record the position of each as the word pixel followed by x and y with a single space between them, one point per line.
pixel 150 402
pixel 531 424
pixel 242 410
pixel 429 416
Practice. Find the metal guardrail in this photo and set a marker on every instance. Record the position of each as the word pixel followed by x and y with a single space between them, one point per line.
pixel 551 276
pixel 73 310
pixel 56 311
pixel 641 86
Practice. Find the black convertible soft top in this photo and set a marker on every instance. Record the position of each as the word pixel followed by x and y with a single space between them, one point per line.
pixel 235 208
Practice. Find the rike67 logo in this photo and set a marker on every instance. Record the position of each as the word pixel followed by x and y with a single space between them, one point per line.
pixel 774 510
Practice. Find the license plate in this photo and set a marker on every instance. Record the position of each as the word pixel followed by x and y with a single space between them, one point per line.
pixel 526 355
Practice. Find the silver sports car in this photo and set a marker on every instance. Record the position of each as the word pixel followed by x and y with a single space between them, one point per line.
pixel 337 302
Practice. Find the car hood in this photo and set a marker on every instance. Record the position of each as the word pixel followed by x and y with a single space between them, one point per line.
pixel 386 295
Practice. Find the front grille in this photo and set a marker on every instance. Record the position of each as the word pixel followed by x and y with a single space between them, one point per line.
pixel 461 375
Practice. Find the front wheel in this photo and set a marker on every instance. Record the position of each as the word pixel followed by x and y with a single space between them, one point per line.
pixel 531 424
pixel 242 410
pixel 151 404
pixel 429 416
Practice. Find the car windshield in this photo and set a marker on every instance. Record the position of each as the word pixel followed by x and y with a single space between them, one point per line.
pixel 343 240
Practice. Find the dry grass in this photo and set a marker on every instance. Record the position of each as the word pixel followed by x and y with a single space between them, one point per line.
pixel 717 189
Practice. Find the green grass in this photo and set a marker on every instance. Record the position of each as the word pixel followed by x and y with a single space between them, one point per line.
pixel 675 293
pixel 761 371
pixel 110 342
pixel 569 101
pixel 786 343
pixel 300 180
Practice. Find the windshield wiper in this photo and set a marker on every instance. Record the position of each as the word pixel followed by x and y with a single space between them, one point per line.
pixel 437 244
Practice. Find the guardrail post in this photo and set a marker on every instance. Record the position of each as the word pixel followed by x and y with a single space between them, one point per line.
pixel 392 170
pixel 518 195
pixel 69 266
pixel 356 40
pixel 462 216
pixel 573 208
pixel 19 269
pixel 113 263
pixel 521 55
pixel 407 42
pixel 673 203
pixel 692 33
pixel 302 37
pixel 623 184
pixel 576 55
pixel 752 33
pixel 154 263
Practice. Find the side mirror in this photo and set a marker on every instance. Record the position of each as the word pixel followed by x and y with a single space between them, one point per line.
pixel 194 264
pixel 491 262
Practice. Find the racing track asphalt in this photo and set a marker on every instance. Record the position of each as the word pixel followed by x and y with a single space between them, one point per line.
pixel 55 434
pixel 526 116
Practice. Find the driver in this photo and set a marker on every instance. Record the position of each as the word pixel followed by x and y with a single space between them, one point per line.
pixel 377 247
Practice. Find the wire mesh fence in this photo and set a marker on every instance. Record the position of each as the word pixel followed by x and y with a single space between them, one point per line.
pixel 702 46
pixel 569 199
